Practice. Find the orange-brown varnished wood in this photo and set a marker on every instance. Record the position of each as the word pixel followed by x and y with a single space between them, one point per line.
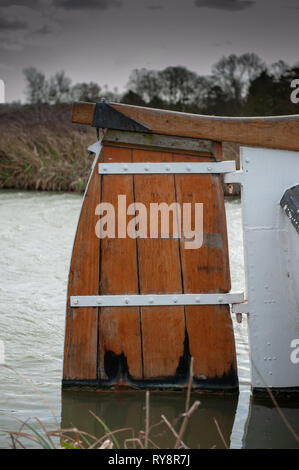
pixel 206 270
pixel 80 356
pixel 163 328
pixel 281 132
pixel 120 355
pixel 151 346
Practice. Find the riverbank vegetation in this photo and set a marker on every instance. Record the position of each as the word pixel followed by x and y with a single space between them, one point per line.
pixel 40 149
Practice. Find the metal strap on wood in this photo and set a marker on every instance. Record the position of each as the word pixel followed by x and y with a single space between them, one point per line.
pixel 166 168
pixel 155 300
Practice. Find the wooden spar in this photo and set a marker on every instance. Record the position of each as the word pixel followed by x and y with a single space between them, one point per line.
pixel 280 132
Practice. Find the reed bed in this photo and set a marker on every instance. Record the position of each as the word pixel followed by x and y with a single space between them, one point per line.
pixel 40 149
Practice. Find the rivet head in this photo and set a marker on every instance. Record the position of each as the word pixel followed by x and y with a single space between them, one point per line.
pixel 127 300
pixel 125 168
pixel 209 168
pixel 104 168
pixel 188 168
pixel 175 300
pixel 99 301
pixel 220 299
pixel 151 300
pixel 146 168
pixel 247 160
pixel 197 300
pixel 75 301
pixel 167 168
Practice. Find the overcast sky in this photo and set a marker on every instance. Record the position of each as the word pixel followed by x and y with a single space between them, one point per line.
pixel 104 40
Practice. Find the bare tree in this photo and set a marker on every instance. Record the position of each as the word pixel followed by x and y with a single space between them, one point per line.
pixel 278 69
pixel 37 87
pixel 234 74
pixel 145 83
pixel 90 92
pixel 178 85
pixel 60 88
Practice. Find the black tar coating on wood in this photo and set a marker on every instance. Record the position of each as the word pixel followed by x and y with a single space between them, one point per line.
pixel 106 117
pixel 116 367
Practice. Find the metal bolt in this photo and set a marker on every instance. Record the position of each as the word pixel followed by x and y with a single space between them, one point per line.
pixel 125 168
pixel 188 168
pixel 104 168
pixel 247 160
pixel 175 299
pixel 209 168
pixel 220 299
pixel 168 168
pixel 99 301
pixel 75 301
pixel 151 300
pixel 127 300
pixel 197 299
pixel 146 168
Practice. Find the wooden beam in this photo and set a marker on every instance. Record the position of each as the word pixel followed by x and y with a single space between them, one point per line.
pixel 280 132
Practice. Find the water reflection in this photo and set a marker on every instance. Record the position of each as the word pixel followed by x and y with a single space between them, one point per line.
pixel 127 410
pixel 265 428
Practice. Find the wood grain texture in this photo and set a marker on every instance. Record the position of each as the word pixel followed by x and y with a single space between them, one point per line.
pixel 206 270
pixel 163 328
pixel 80 354
pixel 150 346
pixel 120 355
pixel 281 132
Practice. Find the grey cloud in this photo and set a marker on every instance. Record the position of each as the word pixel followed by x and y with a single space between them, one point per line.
pixel 86 4
pixel 44 30
pixel 25 3
pixel 155 7
pixel 11 25
pixel 231 5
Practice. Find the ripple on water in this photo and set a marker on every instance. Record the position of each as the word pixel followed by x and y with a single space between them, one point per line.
pixel 37 232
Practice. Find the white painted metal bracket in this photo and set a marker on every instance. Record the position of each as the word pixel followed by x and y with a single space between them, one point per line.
pixel 242 307
pixel 155 300
pixel 234 177
pixel 164 168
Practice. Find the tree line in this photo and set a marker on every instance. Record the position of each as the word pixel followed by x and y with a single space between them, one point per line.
pixel 241 85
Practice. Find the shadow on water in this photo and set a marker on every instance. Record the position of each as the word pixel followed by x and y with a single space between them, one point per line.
pixel 127 410
pixel 266 430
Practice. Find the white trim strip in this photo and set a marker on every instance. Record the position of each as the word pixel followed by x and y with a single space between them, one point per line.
pixel 155 300
pixel 166 168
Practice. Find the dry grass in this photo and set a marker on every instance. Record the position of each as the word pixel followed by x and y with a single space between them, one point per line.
pixel 73 438
pixel 40 149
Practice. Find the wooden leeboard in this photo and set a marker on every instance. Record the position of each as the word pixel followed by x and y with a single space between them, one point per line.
pixel 80 351
pixel 120 355
pixel 151 346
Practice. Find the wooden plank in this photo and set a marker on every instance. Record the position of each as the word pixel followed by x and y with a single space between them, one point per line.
pixel 281 132
pixel 120 355
pixel 80 354
pixel 206 270
pixel 159 142
pixel 163 328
